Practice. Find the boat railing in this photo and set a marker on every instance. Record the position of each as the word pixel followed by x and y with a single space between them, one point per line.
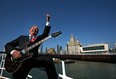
pixel 2 67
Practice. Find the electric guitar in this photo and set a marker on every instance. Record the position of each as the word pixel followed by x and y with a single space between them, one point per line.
pixel 12 64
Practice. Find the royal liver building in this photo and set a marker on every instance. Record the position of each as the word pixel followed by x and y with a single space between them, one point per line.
pixel 73 46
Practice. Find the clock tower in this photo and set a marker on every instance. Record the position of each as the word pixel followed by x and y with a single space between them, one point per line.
pixel 73 46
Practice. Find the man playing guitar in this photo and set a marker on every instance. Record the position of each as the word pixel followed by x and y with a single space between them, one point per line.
pixel 34 60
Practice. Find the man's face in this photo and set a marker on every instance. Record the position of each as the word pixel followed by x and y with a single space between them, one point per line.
pixel 33 31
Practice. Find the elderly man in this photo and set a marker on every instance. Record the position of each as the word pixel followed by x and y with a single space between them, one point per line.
pixel 35 61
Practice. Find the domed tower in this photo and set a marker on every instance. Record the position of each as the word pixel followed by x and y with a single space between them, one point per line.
pixel 73 46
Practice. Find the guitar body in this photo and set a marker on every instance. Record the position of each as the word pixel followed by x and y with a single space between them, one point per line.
pixel 12 65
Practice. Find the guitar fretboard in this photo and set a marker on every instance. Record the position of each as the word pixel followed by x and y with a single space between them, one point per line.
pixel 36 44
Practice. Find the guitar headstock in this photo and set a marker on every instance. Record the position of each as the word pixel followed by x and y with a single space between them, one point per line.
pixel 55 34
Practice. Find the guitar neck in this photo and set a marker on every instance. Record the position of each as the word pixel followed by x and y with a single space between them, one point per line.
pixel 37 43
pixel 41 41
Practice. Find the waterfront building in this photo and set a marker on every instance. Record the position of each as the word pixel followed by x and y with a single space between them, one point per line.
pixel 101 48
pixel 59 48
pixel 51 51
pixel 73 46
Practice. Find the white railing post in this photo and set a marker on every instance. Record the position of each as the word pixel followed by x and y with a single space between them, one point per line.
pixel 63 76
pixel 2 67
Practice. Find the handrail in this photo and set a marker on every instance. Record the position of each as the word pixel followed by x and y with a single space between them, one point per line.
pixel 107 58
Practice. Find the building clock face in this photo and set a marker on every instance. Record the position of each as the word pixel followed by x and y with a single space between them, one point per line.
pixel 72 43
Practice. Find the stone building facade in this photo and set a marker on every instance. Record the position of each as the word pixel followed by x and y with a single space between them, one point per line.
pixel 73 46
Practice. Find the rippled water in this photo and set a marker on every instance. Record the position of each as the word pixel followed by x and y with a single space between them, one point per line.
pixel 80 70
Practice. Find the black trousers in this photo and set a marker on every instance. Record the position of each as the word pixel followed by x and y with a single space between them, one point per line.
pixel 41 61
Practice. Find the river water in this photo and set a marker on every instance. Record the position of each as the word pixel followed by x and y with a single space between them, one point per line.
pixel 80 70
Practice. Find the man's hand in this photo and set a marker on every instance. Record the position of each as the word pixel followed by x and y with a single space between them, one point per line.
pixel 47 17
pixel 16 54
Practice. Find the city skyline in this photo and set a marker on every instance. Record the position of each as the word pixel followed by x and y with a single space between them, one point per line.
pixel 90 21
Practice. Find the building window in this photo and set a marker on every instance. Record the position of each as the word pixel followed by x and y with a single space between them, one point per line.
pixel 93 48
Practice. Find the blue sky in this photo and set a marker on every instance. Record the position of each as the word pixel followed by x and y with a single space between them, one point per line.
pixel 90 21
